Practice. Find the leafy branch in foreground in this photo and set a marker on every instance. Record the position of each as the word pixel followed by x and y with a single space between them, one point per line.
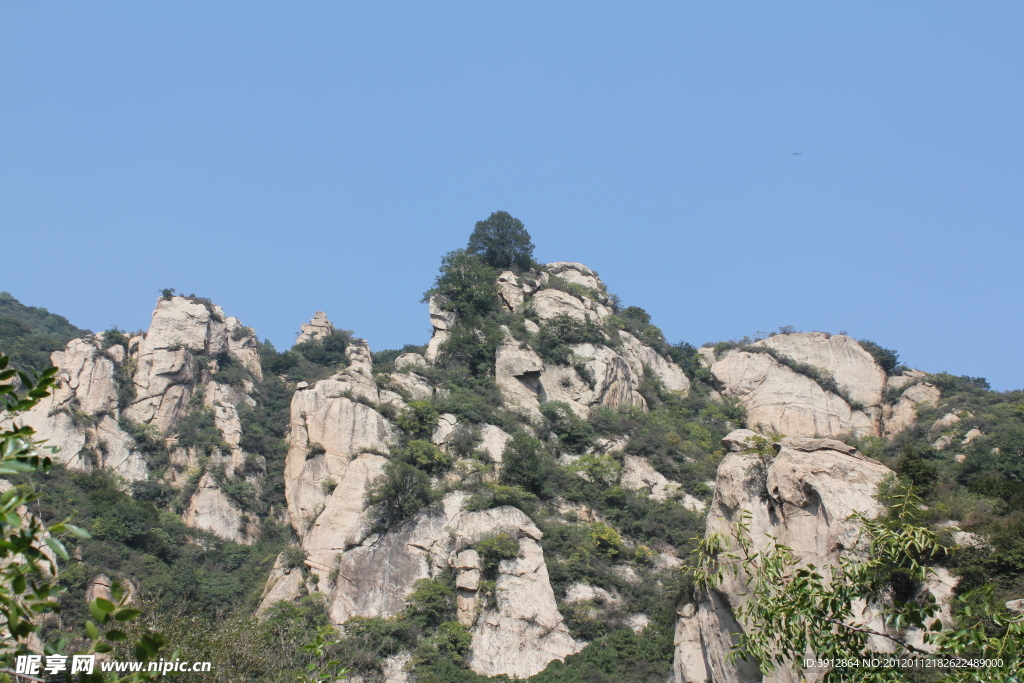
pixel 29 550
pixel 795 609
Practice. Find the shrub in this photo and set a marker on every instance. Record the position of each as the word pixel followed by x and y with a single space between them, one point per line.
pixel 114 337
pixel 294 557
pixel 198 430
pixel 493 550
pixel 555 336
pixel 887 359
pixel 398 494
pixel 156 492
pixel 426 456
pixel 418 419
pixel 573 432
pixel 494 495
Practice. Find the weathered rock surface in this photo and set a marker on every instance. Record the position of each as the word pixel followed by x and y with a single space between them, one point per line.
pixel 167 370
pixel 210 509
pixel 328 416
pixel 904 413
pixel 416 387
pixel 853 368
pixel 80 416
pixel 576 273
pixel 317 329
pixel 780 400
pixel 805 501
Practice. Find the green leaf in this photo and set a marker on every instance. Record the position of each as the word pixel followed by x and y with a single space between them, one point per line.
pixel 102 647
pixel 100 611
pixel 91 630
pixel 115 635
pixel 127 614
pixel 57 547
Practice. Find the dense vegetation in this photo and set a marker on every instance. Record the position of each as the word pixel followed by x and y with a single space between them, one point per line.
pixel 28 335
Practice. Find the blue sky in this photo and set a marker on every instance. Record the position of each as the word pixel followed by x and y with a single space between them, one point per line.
pixel 287 158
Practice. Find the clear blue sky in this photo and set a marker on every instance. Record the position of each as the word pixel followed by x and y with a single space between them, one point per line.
pixel 282 158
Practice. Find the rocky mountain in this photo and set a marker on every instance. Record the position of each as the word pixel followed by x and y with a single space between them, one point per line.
pixel 542 464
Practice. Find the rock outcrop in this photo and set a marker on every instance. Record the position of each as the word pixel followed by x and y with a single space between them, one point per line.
pixel 168 371
pixel 107 390
pixel 317 329
pixel 778 398
pixel 603 375
pixel 804 499
pixel 80 416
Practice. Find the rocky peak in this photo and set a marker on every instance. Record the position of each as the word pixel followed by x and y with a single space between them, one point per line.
pixel 316 329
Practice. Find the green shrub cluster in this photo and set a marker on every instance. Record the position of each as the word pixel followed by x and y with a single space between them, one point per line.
pixel 552 342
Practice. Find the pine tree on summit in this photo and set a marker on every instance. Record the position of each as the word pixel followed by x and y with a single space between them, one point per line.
pixel 502 242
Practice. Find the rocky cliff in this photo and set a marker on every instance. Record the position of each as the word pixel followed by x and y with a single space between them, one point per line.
pixel 120 401
pixel 803 499
pixel 623 439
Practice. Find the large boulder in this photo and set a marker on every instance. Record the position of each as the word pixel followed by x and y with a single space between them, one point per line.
pixel 904 414
pixel 80 415
pixel 783 401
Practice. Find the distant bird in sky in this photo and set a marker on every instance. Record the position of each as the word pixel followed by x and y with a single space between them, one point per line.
pixel 796 154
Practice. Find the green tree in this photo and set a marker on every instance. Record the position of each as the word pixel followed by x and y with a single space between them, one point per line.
pixel 524 463
pixel 466 284
pixel 502 242
pixel 398 494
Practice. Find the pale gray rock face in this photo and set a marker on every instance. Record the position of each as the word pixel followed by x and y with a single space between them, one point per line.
pixel 441 321
pixel 80 416
pixel 213 511
pixel 343 522
pixel 576 273
pixel 780 400
pixel 376 574
pixel 908 377
pixel 410 362
pixel 493 440
pixel 904 413
pixel 417 387
pixel 510 292
pixel 971 435
pixel 440 318
pixel 637 474
pixel 322 415
pixel 317 329
pixel 167 373
pixel 285 583
pixel 525 632
pixel 853 368
pixel 811 489
pixel 548 303
pixel 525 381
pixel 638 355
pixel 517 373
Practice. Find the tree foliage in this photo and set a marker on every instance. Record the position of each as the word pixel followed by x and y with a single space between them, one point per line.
pixel 502 242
